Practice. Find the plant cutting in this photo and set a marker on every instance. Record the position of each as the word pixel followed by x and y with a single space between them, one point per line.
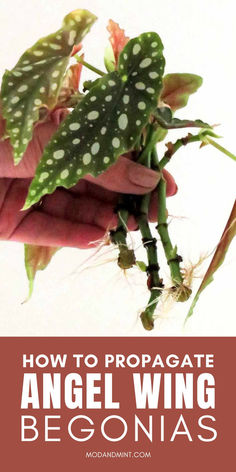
pixel 127 110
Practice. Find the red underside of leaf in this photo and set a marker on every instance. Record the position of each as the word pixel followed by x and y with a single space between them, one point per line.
pixel 76 49
pixel 177 88
pixel 117 39
pixel 73 76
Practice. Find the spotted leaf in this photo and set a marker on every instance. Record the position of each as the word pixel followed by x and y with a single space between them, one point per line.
pixel 107 122
pixel 37 78
pixel 36 258
pixel 177 88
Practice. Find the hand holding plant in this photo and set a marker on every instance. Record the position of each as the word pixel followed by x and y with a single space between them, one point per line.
pixel 74 217
pixel 106 145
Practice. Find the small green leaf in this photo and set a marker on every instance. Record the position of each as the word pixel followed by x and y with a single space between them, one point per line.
pixel 107 122
pixel 37 258
pixel 177 88
pixel 164 117
pixel 37 78
pixel 218 258
pixel 109 59
pixel 141 265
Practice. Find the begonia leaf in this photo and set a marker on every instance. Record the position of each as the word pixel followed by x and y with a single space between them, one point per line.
pixel 107 122
pixel 37 78
pixel 178 87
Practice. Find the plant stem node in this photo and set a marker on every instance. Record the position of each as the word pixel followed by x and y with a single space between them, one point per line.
pixel 177 258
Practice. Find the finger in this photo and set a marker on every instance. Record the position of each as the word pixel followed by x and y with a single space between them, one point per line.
pixel 80 209
pixel 46 230
pixel 89 188
pixel 12 193
pixel 171 186
pixel 126 176
pixel 4 188
pixel 27 166
pixel 96 191
pixel 84 209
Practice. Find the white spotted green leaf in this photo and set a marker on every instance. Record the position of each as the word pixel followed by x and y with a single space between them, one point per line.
pixel 37 78
pixel 107 122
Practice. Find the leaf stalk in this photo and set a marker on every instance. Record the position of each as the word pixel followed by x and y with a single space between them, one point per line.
pixel 89 66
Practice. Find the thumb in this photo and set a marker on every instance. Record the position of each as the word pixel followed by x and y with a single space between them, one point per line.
pixel 127 176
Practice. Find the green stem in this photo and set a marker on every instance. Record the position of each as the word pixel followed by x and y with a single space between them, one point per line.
pixel 173 147
pixel 154 282
pixel 208 140
pixel 126 258
pixel 173 259
pixel 151 140
pixel 89 66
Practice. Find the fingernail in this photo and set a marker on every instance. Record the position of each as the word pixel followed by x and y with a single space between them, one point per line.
pixel 143 177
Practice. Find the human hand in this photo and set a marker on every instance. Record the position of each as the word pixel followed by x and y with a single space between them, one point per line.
pixel 76 217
